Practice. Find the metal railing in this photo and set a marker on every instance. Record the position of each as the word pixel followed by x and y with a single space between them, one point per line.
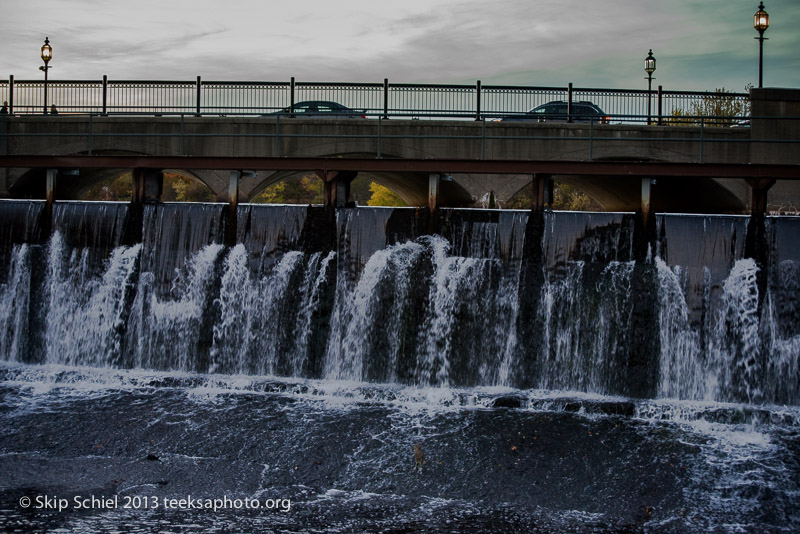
pixel 397 100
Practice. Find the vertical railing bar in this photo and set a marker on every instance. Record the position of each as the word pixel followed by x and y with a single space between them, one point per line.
pixel 11 94
pixel 105 94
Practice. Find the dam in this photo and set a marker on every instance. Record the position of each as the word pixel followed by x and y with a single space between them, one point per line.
pixel 556 350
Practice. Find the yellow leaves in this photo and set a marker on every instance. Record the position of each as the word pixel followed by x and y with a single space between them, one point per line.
pixel 383 196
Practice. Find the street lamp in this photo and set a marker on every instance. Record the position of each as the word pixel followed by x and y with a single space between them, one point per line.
pixel 47 55
pixel 761 23
pixel 649 68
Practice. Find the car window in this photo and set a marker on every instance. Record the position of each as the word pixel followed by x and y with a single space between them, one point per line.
pixel 324 108
pixel 583 109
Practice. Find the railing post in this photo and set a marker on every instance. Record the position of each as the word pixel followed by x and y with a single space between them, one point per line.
pixel 291 95
pixel 11 94
pixel 569 102
pixel 660 109
pixel 386 98
pixel 198 96
pixel 105 94
pixel 478 101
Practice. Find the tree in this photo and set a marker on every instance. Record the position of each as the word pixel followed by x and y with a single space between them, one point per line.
pixel 727 110
pixel 117 189
pixel 565 197
pixel 183 189
pixel 383 196
pixel 295 190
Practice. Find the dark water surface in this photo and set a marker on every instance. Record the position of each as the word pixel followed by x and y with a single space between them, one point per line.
pixel 342 455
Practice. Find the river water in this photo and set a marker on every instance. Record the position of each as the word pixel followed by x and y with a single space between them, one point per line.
pixel 281 384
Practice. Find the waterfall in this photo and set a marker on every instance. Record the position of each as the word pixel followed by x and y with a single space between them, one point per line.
pixel 14 305
pixel 380 300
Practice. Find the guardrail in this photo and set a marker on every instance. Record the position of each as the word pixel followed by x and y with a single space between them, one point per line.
pixel 398 100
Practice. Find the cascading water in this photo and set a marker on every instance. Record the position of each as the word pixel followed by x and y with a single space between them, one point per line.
pixel 308 358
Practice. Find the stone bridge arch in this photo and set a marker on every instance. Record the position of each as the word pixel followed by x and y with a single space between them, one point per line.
pixel 412 187
pixel 30 183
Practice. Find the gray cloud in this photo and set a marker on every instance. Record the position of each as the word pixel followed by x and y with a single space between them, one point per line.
pixel 699 45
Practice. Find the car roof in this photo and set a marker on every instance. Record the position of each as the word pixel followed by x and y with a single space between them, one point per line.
pixel 318 102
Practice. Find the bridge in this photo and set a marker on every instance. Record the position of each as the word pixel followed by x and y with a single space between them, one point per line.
pixel 485 156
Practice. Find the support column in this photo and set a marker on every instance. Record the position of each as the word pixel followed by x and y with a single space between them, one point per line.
pixel 337 187
pixel 433 201
pixel 758 194
pixel 542 194
pixel 755 241
pixel 646 182
pixel 433 192
pixel 46 223
pixel 231 215
pixel 147 185
pixel 50 189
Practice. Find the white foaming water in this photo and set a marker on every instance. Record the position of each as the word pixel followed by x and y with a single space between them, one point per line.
pixel 359 316
pixel 166 331
pixel 414 314
pixel 315 278
pixel 454 283
pixel 584 327
pixel 84 312
pixel 14 304
pixel 737 354
pixel 682 373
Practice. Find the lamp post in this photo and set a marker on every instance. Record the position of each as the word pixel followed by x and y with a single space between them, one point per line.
pixel 47 55
pixel 761 23
pixel 649 68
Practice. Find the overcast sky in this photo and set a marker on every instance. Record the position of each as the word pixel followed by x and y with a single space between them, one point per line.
pixel 699 44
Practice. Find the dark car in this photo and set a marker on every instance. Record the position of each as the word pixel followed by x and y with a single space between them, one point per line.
pixel 321 109
pixel 556 111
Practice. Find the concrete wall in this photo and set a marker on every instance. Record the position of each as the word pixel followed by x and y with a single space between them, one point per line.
pixel 776 117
